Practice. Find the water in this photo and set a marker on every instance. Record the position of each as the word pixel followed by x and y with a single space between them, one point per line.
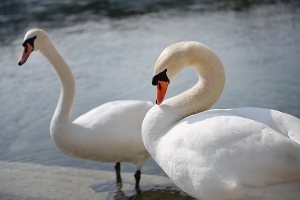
pixel 111 48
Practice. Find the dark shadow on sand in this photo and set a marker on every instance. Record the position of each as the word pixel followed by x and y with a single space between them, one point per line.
pixel 147 192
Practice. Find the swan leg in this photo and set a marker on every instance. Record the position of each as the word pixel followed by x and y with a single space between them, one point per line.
pixel 137 177
pixel 118 172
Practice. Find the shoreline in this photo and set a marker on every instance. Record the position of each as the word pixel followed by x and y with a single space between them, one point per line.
pixel 35 181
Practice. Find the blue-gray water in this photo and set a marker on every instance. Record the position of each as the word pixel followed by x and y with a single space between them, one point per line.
pixel 111 47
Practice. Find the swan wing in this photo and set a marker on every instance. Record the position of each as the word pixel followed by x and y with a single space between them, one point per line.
pixel 281 122
pixel 127 114
pixel 219 151
pixel 111 133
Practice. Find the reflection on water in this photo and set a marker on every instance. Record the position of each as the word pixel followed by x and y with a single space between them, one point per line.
pixel 114 190
pixel 147 192
pixel 258 43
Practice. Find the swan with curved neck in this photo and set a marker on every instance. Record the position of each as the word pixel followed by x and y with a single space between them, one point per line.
pixel 240 153
pixel 108 133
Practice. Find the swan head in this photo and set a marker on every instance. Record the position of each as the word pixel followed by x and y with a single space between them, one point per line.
pixel 170 62
pixel 34 40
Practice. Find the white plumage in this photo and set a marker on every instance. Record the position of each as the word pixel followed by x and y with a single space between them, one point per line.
pixel 108 133
pixel 240 153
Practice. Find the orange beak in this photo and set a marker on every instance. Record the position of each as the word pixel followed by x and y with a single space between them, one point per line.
pixel 27 50
pixel 161 90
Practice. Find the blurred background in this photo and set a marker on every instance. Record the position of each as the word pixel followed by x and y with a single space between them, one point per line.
pixel 111 47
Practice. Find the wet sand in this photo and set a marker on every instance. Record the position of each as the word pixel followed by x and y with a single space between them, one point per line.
pixel 33 181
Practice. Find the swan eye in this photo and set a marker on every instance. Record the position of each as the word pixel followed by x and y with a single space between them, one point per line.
pixel 162 76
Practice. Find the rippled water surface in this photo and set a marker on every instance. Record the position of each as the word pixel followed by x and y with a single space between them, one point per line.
pixel 111 47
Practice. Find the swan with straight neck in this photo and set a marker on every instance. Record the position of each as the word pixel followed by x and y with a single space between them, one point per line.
pixel 108 133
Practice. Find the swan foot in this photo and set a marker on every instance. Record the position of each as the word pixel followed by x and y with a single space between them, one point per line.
pixel 119 185
pixel 137 177
pixel 118 173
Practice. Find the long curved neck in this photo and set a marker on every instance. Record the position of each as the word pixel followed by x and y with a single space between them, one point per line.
pixel 209 87
pixel 67 94
pixel 197 99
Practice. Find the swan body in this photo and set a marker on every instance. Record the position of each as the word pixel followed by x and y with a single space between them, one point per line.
pixel 239 153
pixel 108 133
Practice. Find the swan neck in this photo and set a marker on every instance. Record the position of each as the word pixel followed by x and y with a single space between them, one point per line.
pixel 67 94
pixel 199 98
pixel 209 87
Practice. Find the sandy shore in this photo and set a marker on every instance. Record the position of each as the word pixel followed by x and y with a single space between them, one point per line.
pixel 33 181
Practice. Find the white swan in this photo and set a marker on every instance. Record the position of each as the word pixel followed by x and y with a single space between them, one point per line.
pixel 240 153
pixel 108 133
